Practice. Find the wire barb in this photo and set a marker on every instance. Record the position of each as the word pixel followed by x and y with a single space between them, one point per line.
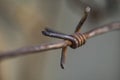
pixel 63 57
pixel 83 19
pixel 77 39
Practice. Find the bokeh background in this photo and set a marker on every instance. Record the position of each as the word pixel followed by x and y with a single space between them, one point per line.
pixel 21 23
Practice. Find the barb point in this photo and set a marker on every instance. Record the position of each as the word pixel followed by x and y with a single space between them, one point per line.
pixel 87 9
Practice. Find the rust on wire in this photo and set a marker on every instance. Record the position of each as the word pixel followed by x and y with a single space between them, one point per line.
pixel 74 41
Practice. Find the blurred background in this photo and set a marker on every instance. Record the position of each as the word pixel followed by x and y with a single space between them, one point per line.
pixel 21 23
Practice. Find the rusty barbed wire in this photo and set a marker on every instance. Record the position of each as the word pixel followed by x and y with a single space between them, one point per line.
pixel 74 41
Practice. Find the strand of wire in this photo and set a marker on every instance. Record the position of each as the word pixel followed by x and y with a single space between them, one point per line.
pixel 57 45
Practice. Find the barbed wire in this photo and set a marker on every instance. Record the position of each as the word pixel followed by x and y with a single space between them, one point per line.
pixel 74 41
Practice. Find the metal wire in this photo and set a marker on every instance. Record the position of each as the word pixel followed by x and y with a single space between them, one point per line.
pixel 74 41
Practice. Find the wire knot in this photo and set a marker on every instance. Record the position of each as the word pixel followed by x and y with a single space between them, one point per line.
pixel 78 40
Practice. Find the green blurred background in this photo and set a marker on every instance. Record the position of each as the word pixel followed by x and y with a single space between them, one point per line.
pixel 21 23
